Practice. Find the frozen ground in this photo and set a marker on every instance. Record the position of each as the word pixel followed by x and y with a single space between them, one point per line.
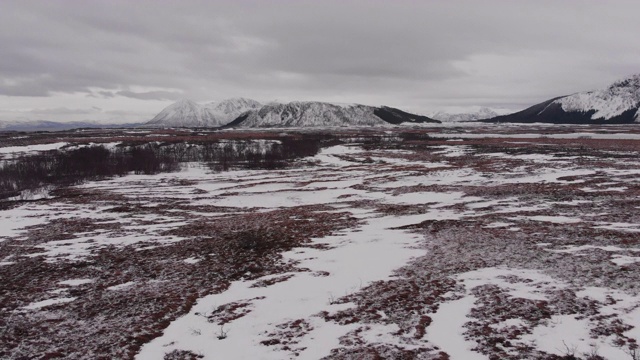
pixel 498 246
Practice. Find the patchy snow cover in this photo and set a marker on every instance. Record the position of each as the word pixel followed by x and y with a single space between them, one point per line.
pixel 620 226
pixel 561 334
pixel 624 260
pixel 355 259
pixel 31 148
pixel 447 329
pixel 573 135
pixel 442 188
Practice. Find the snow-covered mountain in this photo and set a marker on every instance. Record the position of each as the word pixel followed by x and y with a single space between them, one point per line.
pixel 320 114
pixel 187 113
pixel 482 113
pixel 619 103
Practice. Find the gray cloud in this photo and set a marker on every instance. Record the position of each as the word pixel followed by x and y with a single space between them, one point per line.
pixel 64 111
pixel 403 53
pixel 150 95
pixel 144 95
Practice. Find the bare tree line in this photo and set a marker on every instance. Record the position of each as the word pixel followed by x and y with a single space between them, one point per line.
pixel 67 167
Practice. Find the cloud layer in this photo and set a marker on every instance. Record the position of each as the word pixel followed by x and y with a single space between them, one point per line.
pixel 138 56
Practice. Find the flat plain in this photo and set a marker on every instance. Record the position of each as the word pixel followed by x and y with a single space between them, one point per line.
pixel 442 242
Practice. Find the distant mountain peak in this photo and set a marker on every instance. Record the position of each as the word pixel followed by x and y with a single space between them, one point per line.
pixel 480 114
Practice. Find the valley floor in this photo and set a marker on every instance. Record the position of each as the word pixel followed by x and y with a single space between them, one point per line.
pixel 442 243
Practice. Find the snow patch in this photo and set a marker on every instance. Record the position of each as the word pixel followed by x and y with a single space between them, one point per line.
pixel 49 302
pixel 121 286
pixel 76 282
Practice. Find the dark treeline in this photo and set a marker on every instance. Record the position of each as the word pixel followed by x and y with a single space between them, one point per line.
pixel 67 167
pixel 263 154
pixel 59 167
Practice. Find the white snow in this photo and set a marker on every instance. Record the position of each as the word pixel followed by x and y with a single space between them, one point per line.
pixel 31 148
pixel 618 226
pixel 574 248
pixel 192 260
pixel 49 302
pixel 498 224
pixel 575 135
pixel 624 260
pixel 557 219
pixel 121 286
pixel 446 329
pixel 356 258
pixel 76 282
pixel 565 334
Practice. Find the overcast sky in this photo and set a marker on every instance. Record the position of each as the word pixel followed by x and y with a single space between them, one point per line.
pixel 123 61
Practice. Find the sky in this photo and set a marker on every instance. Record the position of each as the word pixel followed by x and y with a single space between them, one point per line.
pixel 124 61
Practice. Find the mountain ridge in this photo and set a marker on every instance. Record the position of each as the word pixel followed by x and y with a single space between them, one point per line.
pixel 188 113
pixel 321 114
pixel 619 103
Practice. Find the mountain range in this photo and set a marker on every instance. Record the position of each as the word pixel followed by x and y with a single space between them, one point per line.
pixel 619 103
pixel 320 114
pixel 246 113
